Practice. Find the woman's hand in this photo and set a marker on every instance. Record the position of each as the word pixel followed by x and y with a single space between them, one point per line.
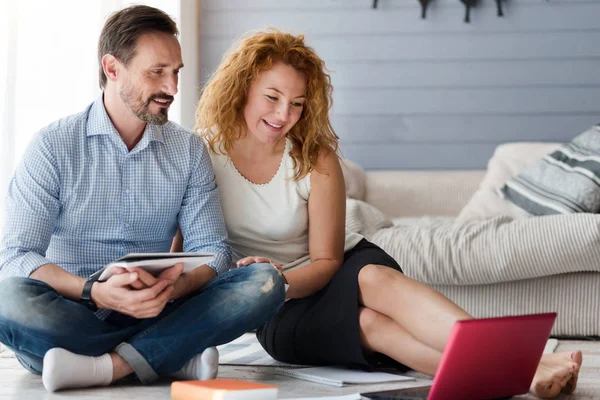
pixel 255 259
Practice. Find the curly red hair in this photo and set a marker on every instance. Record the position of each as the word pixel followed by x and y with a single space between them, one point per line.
pixel 225 94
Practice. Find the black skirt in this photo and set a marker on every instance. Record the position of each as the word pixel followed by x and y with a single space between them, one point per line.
pixel 322 329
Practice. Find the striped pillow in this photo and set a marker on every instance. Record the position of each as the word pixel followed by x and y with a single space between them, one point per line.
pixel 565 181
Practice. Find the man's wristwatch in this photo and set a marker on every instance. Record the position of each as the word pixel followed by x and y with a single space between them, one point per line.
pixel 86 296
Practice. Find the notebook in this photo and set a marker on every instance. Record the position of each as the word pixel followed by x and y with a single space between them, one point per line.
pixel 337 376
pixel 222 389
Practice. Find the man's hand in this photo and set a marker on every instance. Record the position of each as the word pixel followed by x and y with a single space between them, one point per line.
pixel 173 273
pixel 117 294
pixel 146 280
pixel 183 284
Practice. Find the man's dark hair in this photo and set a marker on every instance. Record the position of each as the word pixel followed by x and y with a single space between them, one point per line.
pixel 123 28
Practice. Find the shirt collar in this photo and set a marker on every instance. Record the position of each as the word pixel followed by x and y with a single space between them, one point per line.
pixel 100 124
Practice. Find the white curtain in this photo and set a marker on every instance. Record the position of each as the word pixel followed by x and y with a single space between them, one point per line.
pixel 49 69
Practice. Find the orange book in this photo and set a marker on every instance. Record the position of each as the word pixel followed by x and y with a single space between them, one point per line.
pixel 222 389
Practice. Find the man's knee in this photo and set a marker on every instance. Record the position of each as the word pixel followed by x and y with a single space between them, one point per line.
pixel 263 283
pixel 19 300
pixel 15 291
pixel 266 277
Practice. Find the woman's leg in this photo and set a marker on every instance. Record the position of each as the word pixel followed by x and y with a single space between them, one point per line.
pixel 379 333
pixel 428 316
pixel 422 311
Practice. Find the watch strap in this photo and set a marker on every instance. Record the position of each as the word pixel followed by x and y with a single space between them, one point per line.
pixel 86 294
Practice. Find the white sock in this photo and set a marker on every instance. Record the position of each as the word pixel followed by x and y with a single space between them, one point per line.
pixel 202 367
pixel 63 369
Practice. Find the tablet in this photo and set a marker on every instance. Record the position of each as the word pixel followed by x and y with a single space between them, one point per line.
pixel 154 263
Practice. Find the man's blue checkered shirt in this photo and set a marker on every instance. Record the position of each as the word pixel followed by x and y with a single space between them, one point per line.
pixel 80 199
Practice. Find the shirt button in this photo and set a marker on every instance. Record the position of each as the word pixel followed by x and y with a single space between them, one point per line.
pixel 127 191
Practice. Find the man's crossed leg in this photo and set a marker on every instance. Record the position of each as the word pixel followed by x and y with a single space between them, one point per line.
pixel 34 319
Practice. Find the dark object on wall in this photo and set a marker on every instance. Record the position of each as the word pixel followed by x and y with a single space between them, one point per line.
pixel 424 4
pixel 468 4
pixel 499 6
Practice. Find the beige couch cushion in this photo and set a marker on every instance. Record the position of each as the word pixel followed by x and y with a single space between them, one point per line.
pixel 418 193
pixel 508 160
pixel 355 178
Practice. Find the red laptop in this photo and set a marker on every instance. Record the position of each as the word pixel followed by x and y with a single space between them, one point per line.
pixel 485 359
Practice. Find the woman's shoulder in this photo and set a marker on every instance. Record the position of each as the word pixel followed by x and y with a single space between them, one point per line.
pixel 327 176
pixel 327 162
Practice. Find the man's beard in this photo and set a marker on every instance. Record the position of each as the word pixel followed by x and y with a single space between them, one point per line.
pixel 141 108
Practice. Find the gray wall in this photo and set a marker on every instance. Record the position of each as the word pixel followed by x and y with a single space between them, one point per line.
pixel 436 93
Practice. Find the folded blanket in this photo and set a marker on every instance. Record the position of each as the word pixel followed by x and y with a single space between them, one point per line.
pixel 364 218
pixel 495 250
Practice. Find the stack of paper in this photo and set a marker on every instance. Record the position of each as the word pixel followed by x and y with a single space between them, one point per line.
pixel 339 376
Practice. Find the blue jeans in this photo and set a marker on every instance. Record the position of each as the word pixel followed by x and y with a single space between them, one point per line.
pixel 34 318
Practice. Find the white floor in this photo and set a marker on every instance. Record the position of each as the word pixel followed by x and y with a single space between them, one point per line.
pixel 16 383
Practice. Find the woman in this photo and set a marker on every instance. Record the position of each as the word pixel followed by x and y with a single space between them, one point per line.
pixel 264 115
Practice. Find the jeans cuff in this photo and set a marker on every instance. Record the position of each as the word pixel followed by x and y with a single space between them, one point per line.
pixel 138 363
pixel 25 362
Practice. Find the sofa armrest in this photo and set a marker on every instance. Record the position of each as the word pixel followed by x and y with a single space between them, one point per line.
pixel 416 193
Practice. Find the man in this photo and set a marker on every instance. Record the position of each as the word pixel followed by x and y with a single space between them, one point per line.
pixel 115 179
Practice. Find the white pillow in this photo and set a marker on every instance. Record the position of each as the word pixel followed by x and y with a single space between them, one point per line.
pixel 509 159
pixel 355 178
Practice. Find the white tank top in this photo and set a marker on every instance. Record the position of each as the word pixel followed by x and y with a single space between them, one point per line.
pixel 270 219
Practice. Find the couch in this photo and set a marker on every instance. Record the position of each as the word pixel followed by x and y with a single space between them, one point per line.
pixel 510 263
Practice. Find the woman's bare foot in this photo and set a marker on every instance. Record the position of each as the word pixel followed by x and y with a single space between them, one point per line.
pixel 571 385
pixel 556 373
